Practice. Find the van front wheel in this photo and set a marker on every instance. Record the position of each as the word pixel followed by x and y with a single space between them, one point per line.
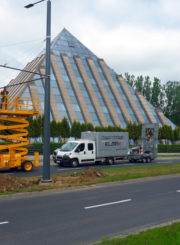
pixel 74 163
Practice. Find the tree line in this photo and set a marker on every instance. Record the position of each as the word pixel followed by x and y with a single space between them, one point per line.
pixel 62 130
pixel 163 96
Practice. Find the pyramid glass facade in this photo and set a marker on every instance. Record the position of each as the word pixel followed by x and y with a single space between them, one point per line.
pixel 84 88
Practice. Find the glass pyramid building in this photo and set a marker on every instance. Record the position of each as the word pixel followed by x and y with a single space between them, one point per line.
pixel 84 88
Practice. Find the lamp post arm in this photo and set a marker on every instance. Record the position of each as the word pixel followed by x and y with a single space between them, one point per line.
pixel 32 4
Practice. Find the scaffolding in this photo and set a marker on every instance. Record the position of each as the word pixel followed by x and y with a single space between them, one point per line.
pixel 14 112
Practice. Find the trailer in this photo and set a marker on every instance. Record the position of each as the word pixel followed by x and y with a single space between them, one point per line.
pixel 147 151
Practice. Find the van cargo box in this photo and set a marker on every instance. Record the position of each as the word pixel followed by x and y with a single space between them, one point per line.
pixel 109 144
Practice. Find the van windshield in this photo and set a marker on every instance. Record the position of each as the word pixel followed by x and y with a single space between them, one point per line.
pixel 69 146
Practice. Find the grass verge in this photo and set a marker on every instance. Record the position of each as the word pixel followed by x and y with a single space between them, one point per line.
pixel 87 177
pixel 167 235
pixel 169 156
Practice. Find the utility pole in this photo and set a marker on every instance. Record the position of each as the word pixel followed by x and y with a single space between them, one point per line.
pixel 46 151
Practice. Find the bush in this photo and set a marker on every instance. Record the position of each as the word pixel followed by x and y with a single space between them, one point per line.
pixel 168 148
pixel 39 147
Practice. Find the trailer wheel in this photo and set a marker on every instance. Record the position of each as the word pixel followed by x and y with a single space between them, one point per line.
pixel 110 161
pixel 143 160
pixel 27 166
pixel 148 160
pixel 74 163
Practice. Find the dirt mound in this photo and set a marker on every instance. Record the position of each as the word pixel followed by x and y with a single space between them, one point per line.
pixel 11 183
pixel 92 173
pixel 77 178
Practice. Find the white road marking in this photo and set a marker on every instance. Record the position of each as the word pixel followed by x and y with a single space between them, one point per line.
pixel 62 169
pixel 3 223
pixel 178 190
pixel 107 204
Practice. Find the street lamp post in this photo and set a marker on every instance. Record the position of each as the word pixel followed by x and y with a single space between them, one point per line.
pixel 46 151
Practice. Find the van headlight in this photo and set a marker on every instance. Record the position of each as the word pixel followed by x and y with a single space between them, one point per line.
pixel 68 154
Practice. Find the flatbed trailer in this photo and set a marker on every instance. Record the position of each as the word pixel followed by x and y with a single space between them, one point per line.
pixel 149 145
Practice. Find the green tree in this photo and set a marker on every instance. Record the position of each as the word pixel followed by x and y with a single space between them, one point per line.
pixel 65 128
pixel 54 129
pixel 59 130
pixel 76 129
pixel 172 103
pixel 138 130
pixel 131 130
pixel 40 120
pixel 84 127
pixel 130 79
pixel 139 84
pixel 147 90
pixel 99 129
pixel 176 135
pixel 134 130
pixel 166 133
pixel 36 129
pixel 90 127
pixel 157 98
pixel 30 127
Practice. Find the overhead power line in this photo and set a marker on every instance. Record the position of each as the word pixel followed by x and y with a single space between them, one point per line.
pixel 16 84
pixel 22 70
pixel 17 69
pixel 14 44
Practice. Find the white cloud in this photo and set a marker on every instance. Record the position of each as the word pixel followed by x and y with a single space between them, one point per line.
pixel 139 37
pixel 135 50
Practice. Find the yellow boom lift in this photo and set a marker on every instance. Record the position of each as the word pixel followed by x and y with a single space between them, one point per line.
pixel 14 112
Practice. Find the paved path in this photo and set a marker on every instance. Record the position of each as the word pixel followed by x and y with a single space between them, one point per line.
pixel 54 168
pixel 87 215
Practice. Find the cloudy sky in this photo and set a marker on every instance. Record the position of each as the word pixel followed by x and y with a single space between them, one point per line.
pixel 141 37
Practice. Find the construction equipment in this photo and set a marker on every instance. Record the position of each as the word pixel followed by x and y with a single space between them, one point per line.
pixel 14 112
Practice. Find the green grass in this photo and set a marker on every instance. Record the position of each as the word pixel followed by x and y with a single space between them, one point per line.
pixel 167 235
pixel 113 174
pixel 144 171
pixel 170 156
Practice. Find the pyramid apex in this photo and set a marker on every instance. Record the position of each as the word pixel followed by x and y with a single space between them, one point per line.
pixel 66 42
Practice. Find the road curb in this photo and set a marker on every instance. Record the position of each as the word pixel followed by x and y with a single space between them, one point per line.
pixel 85 187
pixel 136 231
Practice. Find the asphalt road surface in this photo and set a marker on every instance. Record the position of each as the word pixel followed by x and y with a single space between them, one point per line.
pixel 54 168
pixel 84 216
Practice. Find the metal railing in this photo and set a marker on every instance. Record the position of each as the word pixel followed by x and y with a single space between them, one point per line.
pixel 19 104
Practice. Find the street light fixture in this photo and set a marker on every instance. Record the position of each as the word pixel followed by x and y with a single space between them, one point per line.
pixel 32 4
pixel 46 151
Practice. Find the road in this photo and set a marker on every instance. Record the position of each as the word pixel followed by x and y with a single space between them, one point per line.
pixel 56 169
pixel 84 216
